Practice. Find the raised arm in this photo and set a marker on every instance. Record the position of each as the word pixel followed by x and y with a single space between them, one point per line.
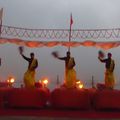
pixel 26 58
pixel 61 58
pixel 102 60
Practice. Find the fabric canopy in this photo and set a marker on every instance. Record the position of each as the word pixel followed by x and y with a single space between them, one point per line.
pixel 87 43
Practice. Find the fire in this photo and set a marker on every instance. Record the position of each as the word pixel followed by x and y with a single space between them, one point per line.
pixel 44 82
pixel 10 81
pixel 79 84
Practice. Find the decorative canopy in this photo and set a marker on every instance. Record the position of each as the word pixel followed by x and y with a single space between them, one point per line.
pixel 76 34
pixel 59 37
pixel 33 44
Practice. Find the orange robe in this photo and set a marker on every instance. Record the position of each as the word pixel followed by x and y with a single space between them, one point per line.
pixel 70 75
pixel 109 76
pixel 29 76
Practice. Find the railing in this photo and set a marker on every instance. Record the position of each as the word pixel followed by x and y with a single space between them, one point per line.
pixel 58 34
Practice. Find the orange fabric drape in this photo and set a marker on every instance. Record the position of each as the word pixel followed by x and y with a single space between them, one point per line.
pixel 87 43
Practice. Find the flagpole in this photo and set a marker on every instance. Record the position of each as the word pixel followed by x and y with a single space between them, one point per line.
pixel 1 15
pixel 69 37
pixel 0 28
pixel 71 22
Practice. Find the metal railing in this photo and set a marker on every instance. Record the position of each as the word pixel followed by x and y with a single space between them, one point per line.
pixel 58 34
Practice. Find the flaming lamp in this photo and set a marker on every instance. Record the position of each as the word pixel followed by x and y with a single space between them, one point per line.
pixel 44 82
pixel 10 81
pixel 79 84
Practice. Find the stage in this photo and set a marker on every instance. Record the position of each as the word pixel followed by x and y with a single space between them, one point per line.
pixel 64 104
pixel 58 114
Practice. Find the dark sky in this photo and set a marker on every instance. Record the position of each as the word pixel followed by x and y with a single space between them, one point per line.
pixel 55 14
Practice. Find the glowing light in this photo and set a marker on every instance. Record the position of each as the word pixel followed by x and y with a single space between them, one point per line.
pixel 12 80
pixel 80 86
pixel 45 81
pixel 78 82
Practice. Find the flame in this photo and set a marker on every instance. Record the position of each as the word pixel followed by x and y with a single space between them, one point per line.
pixel 79 84
pixel 45 81
pixel 11 80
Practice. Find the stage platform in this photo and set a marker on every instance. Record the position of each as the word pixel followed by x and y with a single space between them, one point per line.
pixel 64 104
pixel 60 114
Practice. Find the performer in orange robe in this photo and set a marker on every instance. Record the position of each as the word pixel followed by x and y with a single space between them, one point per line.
pixel 29 76
pixel 109 73
pixel 70 73
pixel 70 76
